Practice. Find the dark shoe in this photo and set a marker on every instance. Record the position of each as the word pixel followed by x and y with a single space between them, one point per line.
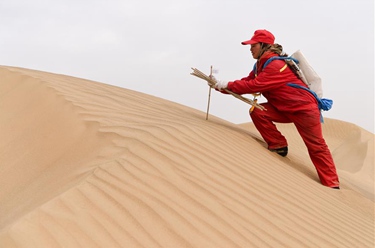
pixel 335 187
pixel 283 151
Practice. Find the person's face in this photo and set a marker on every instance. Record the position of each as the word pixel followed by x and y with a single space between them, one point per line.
pixel 255 50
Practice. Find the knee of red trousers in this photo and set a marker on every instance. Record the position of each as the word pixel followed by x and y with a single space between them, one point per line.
pixel 256 114
pixel 268 130
pixel 258 117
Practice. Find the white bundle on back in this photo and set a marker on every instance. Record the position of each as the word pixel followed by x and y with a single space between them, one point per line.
pixel 313 81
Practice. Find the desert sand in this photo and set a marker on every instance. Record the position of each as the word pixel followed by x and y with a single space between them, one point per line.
pixel 86 164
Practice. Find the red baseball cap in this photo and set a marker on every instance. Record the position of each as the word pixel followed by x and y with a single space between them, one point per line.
pixel 260 35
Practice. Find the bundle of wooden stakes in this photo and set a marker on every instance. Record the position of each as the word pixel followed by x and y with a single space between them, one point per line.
pixel 211 82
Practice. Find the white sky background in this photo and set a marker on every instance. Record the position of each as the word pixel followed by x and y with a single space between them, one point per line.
pixel 150 46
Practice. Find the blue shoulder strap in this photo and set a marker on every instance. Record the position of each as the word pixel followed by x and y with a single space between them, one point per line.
pixel 272 59
pixel 279 58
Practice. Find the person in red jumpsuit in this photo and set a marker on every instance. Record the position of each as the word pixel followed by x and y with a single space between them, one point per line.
pixel 285 104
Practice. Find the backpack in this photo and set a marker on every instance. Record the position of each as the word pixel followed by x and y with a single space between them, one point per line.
pixel 299 65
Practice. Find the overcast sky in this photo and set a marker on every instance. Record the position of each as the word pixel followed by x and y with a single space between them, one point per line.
pixel 150 46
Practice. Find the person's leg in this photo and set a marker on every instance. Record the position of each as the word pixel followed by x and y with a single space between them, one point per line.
pixel 263 121
pixel 309 127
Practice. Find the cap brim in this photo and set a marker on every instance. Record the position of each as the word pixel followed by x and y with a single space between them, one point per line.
pixel 248 42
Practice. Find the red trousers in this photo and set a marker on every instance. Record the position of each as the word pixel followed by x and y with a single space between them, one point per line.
pixel 309 127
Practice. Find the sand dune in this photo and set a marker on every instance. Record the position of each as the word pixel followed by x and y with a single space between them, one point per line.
pixel 85 164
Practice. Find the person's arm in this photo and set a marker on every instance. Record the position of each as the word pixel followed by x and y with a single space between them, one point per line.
pixel 274 75
pixel 224 84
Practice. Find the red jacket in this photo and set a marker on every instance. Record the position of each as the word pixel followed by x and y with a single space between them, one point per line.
pixel 272 83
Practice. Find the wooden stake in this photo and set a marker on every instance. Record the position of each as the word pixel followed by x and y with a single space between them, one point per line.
pixel 209 96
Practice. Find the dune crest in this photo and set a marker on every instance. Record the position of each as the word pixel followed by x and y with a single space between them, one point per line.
pixel 85 164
